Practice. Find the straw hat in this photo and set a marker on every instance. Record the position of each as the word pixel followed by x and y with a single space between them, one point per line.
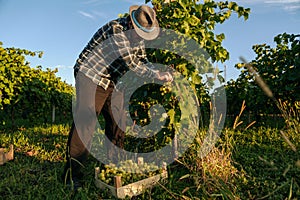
pixel 144 21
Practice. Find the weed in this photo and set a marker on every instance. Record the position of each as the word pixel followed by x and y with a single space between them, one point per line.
pixel 237 121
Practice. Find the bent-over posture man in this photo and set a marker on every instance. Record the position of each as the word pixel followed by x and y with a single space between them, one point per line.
pixel 108 55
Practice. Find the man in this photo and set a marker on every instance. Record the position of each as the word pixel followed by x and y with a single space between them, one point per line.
pixel 112 51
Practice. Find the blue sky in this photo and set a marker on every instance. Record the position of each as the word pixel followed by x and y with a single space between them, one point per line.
pixel 61 28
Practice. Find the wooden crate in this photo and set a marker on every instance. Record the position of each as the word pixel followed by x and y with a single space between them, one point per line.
pixel 132 189
pixel 6 156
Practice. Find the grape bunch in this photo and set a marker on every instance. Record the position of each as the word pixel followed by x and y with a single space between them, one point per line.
pixel 165 89
pixel 129 172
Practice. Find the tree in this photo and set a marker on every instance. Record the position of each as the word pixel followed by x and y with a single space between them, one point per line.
pixel 278 67
pixel 29 92
pixel 198 21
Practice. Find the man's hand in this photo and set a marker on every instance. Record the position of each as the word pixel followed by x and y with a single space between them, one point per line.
pixel 165 76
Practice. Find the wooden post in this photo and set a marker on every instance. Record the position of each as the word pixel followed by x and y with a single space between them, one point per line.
pixel 53 113
pixel 164 166
pixel 117 181
pixel 140 160
pixel 175 146
pixel 97 172
pixel 2 156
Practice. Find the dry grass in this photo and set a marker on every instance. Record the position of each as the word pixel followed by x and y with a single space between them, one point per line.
pixel 214 175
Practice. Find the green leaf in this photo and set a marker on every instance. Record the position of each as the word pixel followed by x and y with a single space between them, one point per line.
pixel 193 20
pixel 220 37
pixel 196 78
pixel 171 114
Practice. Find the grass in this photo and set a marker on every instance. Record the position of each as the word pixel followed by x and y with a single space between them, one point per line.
pixel 256 163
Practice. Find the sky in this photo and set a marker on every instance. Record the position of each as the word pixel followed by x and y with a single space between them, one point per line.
pixel 62 28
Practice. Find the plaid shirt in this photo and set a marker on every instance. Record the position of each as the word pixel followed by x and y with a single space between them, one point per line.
pixel 111 53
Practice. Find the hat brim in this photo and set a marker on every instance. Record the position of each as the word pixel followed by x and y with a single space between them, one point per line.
pixel 145 35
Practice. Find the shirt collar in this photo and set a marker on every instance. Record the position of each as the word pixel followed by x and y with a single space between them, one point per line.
pixel 124 22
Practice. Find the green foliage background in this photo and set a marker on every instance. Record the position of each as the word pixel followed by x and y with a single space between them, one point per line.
pixel 30 93
pixel 278 67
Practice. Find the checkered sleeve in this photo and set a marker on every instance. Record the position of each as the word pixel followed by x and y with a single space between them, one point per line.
pixel 134 57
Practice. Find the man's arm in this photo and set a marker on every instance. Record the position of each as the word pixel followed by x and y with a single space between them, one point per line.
pixel 132 56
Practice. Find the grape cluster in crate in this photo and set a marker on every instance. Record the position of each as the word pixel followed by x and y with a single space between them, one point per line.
pixel 129 172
